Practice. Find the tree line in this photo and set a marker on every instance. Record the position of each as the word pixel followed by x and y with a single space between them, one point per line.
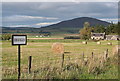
pixel 85 32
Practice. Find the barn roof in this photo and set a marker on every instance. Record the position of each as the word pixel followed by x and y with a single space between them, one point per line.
pixel 97 34
pixel 109 36
pixel 112 36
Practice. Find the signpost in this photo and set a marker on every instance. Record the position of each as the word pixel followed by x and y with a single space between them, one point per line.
pixel 19 40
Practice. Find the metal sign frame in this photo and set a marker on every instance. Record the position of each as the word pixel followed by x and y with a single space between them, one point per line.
pixel 19 35
pixel 19 72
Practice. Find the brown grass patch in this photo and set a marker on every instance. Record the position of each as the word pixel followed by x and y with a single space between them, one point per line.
pixel 115 49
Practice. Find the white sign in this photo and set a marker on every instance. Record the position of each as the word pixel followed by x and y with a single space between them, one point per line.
pixel 19 39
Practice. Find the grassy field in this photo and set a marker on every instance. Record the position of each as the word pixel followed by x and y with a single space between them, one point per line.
pixel 46 65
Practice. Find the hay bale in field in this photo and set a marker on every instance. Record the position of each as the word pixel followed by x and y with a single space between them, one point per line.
pixel 98 42
pixel 109 43
pixel 84 42
pixel 58 48
pixel 115 49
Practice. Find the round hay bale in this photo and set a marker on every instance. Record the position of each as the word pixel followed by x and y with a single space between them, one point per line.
pixel 109 43
pixel 58 48
pixel 98 42
pixel 84 42
pixel 115 49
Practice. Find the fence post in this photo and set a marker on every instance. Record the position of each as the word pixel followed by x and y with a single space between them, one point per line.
pixel 83 56
pixel 69 57
pixel 62 60
pixel 106 54
pixel 29 64
pixel 92 55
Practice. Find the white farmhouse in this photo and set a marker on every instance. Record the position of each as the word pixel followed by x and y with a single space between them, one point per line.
pixel 97 36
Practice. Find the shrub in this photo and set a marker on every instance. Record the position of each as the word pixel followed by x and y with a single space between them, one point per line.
pixel 6 37
pixel 72 37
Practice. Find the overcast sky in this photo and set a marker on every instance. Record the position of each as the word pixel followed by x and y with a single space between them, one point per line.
pixel 37 14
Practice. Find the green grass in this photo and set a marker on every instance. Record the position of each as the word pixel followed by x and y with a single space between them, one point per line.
pixel 46 65
pixel 55 40
pixel 29 36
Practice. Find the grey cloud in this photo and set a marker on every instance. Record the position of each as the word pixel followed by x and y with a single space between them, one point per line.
pixel 60 10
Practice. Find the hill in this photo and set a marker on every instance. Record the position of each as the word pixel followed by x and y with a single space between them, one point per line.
pixel 71 26
pixel 78 23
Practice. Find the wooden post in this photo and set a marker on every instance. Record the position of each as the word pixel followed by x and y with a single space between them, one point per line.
pixel 29 64
pixel 92 54
pixel 106 54
pixel 69 57
pixel 83 56
pixel 62 60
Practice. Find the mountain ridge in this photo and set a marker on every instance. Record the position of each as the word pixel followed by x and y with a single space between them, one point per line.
pixel 79 22
pixel 71 26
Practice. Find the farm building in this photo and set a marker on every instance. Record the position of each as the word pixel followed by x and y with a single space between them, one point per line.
pixel 102 36
pixel 112 37
pixel 98 36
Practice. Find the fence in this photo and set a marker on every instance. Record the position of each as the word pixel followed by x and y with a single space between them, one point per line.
pixel 58 60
